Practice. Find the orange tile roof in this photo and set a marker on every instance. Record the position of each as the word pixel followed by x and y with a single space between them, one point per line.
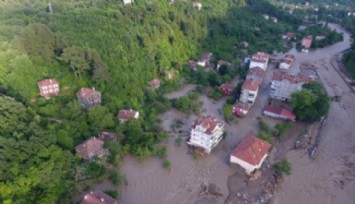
pixel 293 79
pixel 280 111
pixel 124 114
pixel 251 84
pixel 208 122
pixel 251 150
pixel 89 147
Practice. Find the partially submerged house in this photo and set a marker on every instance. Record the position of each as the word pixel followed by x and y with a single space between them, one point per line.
pixel 91 149
pixel 205 59
pixel 287 61
pixel 283 85
pixel 125 115
pixel 98 197
pixel 306 43
pixel 279 113
pixel 88 97
pixel 206 133
pixel 48 88
pixel 250 153
pixel 227 88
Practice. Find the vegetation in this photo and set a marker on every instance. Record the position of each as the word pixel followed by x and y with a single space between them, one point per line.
pixel 166 164
pixel 227 112
pixel 282 168
pixel 116 49
pixel 112 193
pixel 281 128
pixel 311 103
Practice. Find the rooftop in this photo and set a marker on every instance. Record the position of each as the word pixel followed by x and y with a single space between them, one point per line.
pixel 293 79
pixel 251 150
pixel 47 82
pixel 280 111
pixel 88 147
pixel 98 197
pixel 251 84
pixel 124 114
pixel 209 123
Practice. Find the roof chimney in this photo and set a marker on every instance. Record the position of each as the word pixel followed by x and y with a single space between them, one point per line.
pixel 102 200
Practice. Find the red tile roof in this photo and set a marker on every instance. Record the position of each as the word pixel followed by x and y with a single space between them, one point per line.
pixel 206 56
pixel 307 42
pixel 251 150
pixel 86 92
pixel 155 83
pixel 251 84
pixel 107 136
pixel 192 64
pixel 222 62
pixel 241 109
pixel 98 197
pixel 227 88
pixel 208 122
pixel 89 148
pixel 257 71
pixel 124 114
pixel 293 79
pixel 48 87
pixel 47 82
pixel 261 55
pixel 281 112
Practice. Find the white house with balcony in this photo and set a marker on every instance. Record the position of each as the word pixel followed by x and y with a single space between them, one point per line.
pixel 249 91
pixel 206 133
pixel 283 85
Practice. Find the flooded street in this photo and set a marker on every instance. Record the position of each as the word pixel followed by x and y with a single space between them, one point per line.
pixel 311 181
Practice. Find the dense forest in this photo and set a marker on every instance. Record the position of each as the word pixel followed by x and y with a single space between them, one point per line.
pixel 117 49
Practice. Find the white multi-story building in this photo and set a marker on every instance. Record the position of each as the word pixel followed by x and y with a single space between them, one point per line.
pixel 249 92
pixel 283 85
pixel 259 59
pixel 206 133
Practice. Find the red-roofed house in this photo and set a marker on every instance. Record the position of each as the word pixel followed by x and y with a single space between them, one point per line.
pixel 205 59
pixel 227 89
pixel 90 149
pixel 306 43
pixel 48 87
pixel 256 73
pixel 222 62
pixel 241 109
pixel 125 115
pixel 279 113
pixel 250 153
pixel 107 136
pixel 287 61
pixel 206 133
pixel 192 64
pixel 88 97
pixel 249 92
pixel 155 83
pixel 98 197
pixel 283 85
pixel 197 5
pixel 259 59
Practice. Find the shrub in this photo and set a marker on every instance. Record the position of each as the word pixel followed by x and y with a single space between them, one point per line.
pixel 166 164
pixel 264 126
pixel 112 193
pixel 281 168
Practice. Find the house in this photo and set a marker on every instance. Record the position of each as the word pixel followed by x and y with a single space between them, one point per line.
pixel 273 19
pixel 98 197
pixel 249 91
pixel 205 59
pixel 192 64
pixel 88 97
pixel 289 36
pixel 197 5
pixel 287 61
pixel 283 85
pixel 227 88
pixel 266 17
pixel 245 44
pixel 306 43
pixel 250 153
pixel 125 115
pixel 222 62
pixel 48 88
pixel 320 37
pixel 155 83
pixel 255 73
pixel 107 136
pixel 206 133
pixel 127 1
pixel 279 113
pixel 91 149
pixel 259 59
pixel 241 109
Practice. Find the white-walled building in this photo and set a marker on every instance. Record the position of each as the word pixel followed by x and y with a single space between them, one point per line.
pixel 249 91
pixel 206 133
pixel 250 153
pixel 287 61
pixel 127 1
pixel 259 59
pixel 205 59
pixel 283 85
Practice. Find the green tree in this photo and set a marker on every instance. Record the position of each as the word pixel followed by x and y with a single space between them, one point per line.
pixel 100 118
pixel 281 168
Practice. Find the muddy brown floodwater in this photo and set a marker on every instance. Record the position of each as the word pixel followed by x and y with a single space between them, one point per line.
pixel 327 179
